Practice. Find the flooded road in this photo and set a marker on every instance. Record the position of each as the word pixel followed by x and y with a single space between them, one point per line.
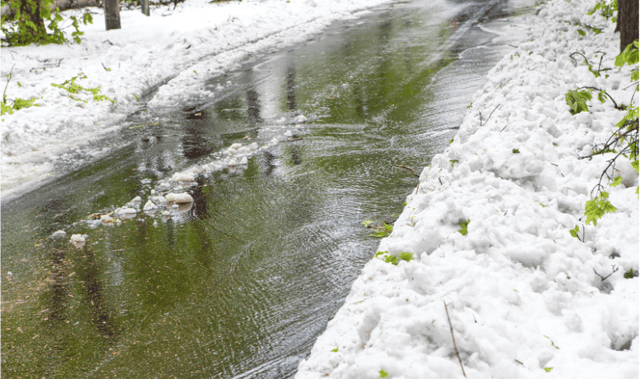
pixel 242 282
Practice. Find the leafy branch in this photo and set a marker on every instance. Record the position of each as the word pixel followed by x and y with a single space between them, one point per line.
pixel 17 103
pixel 74 88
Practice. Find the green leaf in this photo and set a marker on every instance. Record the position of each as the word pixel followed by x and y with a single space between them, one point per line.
pixel 574 232
pixel 515 151
pixel 548 369
pixel 391 259
pixel 616 182
pixel 463 227
pixel 601 97
pixel 581 32
pixel 598 207
pixel 334 350
pixel 406 256
pixel 379 253
pixel 5 109
pixel 577 101
pixel 383 374
pixel 630 274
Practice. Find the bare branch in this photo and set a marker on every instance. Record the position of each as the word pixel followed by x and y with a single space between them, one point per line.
pixel 454 339
pixel 408 168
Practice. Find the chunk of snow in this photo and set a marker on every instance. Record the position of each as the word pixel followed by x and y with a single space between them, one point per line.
pixel 179 198
pixel 106 219
pixel 183 177
pixel 59 234
pixel 149 206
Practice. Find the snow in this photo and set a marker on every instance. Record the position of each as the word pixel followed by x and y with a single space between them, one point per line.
pixel 525 298
pixel 173 51
pixel 179 198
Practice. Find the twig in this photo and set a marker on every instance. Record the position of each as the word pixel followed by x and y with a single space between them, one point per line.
pixel 4 94
pixel 575 63
pixel 454 339
pixel 491 114
pixel 408 168
pixel 294 139
pixel 606 277
pixel 605 93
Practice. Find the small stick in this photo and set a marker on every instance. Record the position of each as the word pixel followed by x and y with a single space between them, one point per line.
pixel 10 76
pixel 294 139
pixel 454 339
pixel 491 114
pixel 408 168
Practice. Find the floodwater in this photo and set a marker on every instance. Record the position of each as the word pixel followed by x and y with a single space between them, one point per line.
pixel 243 282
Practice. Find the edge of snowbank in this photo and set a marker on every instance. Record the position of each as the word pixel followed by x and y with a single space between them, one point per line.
pixel 523 294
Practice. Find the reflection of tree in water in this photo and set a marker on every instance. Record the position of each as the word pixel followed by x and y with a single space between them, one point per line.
pixel 291 82
pixel 59 304
pixel 153 163
pixel 88 273
pixel 253 100
pixel 200 204
pixel 194 140
pixel 293 151
pixel 269 160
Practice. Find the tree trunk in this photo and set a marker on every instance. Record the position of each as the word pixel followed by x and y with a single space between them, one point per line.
pixel 112 14
pixel 33 12
pixel 627 22
pixel 144 6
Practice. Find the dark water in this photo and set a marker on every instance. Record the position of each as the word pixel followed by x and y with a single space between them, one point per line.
pixel 242 284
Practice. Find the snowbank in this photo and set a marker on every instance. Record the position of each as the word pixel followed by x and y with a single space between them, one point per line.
pixel 173 51
pixel 523 295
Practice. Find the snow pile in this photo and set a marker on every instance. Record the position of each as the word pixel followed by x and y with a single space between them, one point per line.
pixel 488 228
pixel 174 51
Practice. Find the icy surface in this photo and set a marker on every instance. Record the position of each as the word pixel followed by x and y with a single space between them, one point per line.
pixel 525 298
pixel 175 50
